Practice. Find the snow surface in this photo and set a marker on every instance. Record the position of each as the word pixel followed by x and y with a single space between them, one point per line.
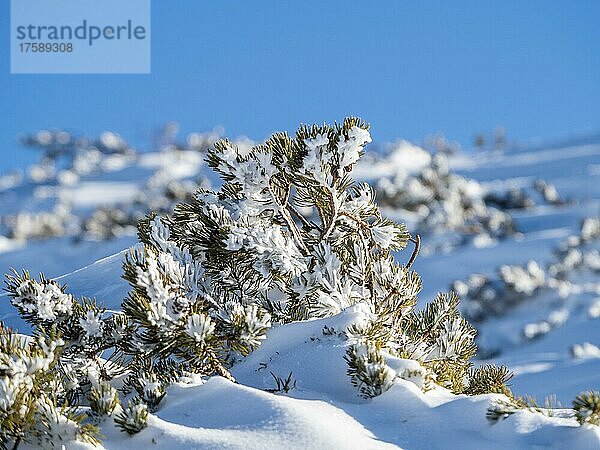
pixel 324 410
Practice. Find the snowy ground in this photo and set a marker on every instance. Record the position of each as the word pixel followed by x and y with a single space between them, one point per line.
pixel 324 410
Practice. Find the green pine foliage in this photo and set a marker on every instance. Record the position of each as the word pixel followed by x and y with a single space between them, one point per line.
pixel 32 405
pixel 368 370
pixel 61 367
pixel 587 408
pixel 85 328
pixel 150 389
pixel 133 418
pixel 489 379
pixel 502 409
pixel 284 385
pixel 103 398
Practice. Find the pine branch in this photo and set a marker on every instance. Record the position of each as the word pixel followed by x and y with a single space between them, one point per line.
pixel 218 367
pixel 417 241
pixel 327 231
pixel 282 208
pixel 299 216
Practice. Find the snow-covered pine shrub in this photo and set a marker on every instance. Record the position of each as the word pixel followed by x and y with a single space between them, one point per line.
pixel 513 198
pixel 368 370
pixel 133 418
pixel 25 226
pixel 78 333
pixel 487 296
pixel 549 193
pixel 585 350
pixel 208 281
pixel 520 198
pixel 489 378
pixel 80 155
pixel 11 179
pixel 31 408
pixel 440 199
pixel 585 409
pixel 503 407
pixel 81 332
pixel 523 279
pixel 84 327
pixel 159 195
pixel 578 252
pixel 66 159
pixel 108 222
pixel 149 386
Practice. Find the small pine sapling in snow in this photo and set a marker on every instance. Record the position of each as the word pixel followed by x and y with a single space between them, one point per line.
pixel 501 409
pixel 103 398
pixel 133 418
pixel 586 407
pixel 289 236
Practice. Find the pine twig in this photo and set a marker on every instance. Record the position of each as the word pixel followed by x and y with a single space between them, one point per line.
pixel 285 214
pixel 334 216
pixel 299 216
pixel 220 368
pixel 417 242
pixel 291 208
pixel 358 220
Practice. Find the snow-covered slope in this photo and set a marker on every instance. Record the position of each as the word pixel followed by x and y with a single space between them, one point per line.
pixel 323 413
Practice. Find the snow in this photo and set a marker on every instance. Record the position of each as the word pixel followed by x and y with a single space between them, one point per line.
pixel 324 410
pixel 323 413
pixel 404 158
pixel 98 193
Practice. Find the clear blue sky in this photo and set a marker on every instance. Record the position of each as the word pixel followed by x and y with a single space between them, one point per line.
pixel 410 68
